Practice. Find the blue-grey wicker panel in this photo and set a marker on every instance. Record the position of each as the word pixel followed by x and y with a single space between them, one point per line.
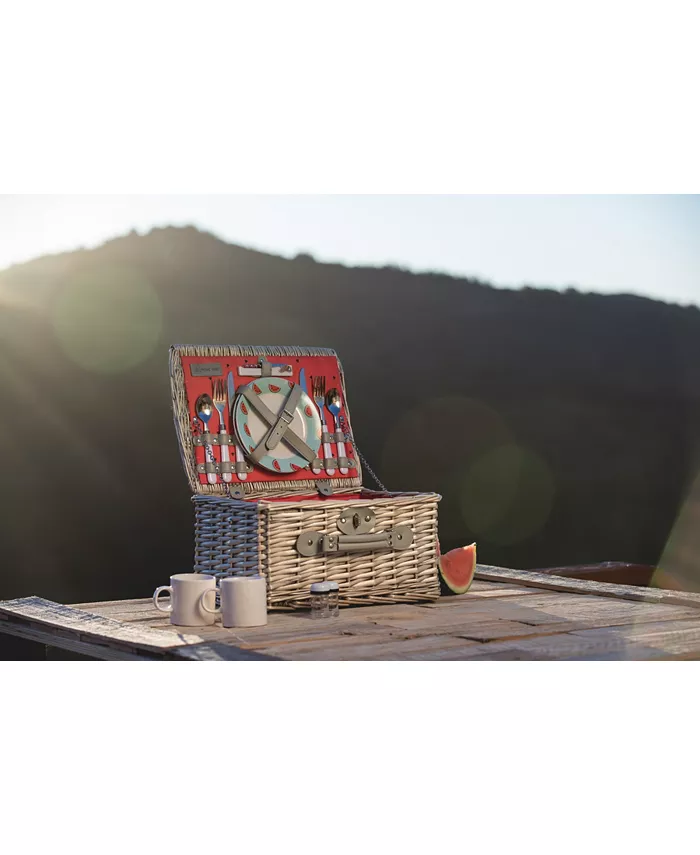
pixel 226 536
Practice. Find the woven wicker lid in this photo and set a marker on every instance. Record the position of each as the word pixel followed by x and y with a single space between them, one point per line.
pixel 216 361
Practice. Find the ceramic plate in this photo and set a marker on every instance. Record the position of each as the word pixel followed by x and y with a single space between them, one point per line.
pixel 251 428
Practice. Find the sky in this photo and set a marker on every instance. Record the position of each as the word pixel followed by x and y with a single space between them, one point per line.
pixel 636 244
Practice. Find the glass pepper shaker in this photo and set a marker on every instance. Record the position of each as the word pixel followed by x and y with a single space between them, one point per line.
pixel 320 600
pixel 333 599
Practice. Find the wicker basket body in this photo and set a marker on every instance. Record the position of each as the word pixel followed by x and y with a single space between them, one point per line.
pixel 259 531
pixel 241 537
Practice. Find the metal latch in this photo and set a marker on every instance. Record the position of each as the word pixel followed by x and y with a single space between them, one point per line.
pixel 355 525
pixel 356 520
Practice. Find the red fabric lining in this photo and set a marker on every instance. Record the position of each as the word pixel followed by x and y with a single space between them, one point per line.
pixel 308 497
pixel 367 495
pixel 326 366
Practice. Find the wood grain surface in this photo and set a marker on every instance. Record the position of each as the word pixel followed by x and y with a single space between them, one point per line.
pixel 507 615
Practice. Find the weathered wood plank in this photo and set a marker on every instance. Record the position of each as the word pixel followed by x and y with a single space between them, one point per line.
pixel 525 609
pixel 474 611
pixel 500 630
pixel 506 615
pixel 584 607
pixel 473 618
pixel 336 628
pixel 37 611
pixel 441 623
pixel 359 649
pixel 601 589
pixel 293 647
pixel 214 652
pixel 675 638
pixel 438 646
pixel 143 610
pixel 436 653
pixel 572 611
pixel 106 638
pixel 108 607
pixel 599 644
pixel 108 651
pixel 329 631
pixel 479 585
pixel 281 625
pixel 267 636
pixel 496 591
pixel 281 628
pixel 661 640
pixel 375 614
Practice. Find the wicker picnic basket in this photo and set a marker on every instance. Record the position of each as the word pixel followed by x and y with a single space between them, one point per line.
pixel 294 527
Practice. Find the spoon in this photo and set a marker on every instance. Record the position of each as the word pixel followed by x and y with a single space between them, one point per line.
pixel 205 408
pixel 334 403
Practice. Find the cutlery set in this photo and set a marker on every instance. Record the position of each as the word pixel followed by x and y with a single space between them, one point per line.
pixel 273 423
pixel 204 407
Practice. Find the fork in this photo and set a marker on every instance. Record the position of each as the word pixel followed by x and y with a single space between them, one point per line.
pixel 219 397
pixel 318 387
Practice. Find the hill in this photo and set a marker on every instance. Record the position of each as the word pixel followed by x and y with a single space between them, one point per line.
pixel 559 427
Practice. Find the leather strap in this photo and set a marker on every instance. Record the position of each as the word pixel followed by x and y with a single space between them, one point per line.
pixel 285 419
pixel 286 433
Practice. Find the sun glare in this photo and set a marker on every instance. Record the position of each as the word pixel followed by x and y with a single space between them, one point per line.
pixel 108 319
pixel 678 567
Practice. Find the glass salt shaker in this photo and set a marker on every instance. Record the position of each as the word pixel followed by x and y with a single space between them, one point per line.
pixel 333 599
pixel 321 599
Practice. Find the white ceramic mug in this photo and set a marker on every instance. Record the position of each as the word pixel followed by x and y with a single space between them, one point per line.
pixel 186 593
pixel 243 601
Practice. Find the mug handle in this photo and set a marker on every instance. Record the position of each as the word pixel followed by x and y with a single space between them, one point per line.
pixel 202 603
pixel 157 593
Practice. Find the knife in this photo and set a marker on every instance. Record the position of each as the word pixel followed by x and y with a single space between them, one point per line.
pixel 302 383
pixel 231 385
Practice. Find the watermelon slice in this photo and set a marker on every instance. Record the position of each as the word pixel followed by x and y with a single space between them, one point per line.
pixel 457 569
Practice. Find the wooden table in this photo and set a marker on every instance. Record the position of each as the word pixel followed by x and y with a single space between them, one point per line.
pixel 507 614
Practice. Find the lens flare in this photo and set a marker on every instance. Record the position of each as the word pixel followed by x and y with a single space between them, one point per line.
pixel 426 445
pixel 679 567
pixel 107 319
pixel 507 495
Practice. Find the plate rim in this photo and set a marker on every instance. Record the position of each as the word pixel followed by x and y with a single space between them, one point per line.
pixel 266 462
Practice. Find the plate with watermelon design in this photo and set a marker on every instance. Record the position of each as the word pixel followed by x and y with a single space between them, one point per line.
pixel 251 428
